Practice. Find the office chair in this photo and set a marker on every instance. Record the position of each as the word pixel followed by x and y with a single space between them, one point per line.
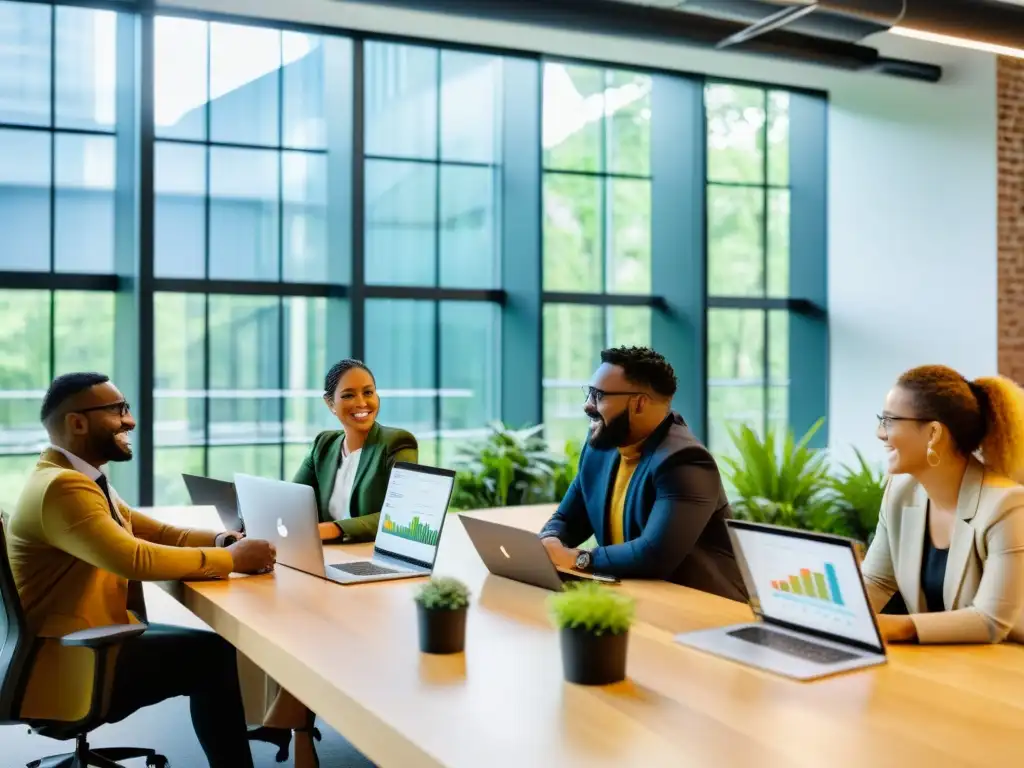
pixel 17 649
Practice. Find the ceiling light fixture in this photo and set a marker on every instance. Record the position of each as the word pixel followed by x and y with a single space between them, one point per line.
pixel 962 42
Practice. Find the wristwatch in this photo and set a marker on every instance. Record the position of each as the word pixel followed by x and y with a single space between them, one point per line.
pixel 583 560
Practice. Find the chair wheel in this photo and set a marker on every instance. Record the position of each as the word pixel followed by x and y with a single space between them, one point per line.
pixel 157 761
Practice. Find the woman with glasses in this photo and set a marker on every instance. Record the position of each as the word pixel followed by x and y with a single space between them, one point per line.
pixel 950 535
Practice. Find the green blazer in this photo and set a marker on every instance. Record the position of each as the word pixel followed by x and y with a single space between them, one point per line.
pixel 384 446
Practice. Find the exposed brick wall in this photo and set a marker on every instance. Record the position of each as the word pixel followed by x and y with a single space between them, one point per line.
pixel 1010 88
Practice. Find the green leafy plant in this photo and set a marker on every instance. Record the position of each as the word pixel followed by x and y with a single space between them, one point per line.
pixel 857 494
pixel 783 484
pixel 509 468
pixel 443 593
pixel 590 606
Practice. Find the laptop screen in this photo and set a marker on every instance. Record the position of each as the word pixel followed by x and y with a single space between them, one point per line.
pixel 807 581
pixel 413 513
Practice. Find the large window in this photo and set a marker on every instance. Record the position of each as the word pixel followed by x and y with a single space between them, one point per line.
pixel 597 229
pixel 748 261
pixel 432 240
pixel 477 227
pixel 58 117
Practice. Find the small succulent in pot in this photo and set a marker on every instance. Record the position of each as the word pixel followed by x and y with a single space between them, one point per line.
pixel 441 606
pixel 594 623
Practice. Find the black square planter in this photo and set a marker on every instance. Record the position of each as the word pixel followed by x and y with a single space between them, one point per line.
pixel 589 659
pixel 442 630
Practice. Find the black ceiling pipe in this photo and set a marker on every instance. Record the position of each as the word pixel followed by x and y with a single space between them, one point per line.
pixel 672 26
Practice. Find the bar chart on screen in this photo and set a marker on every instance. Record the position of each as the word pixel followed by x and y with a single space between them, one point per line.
pixel 818 588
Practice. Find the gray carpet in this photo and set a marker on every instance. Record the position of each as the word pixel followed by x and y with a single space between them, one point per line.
pixel 167 729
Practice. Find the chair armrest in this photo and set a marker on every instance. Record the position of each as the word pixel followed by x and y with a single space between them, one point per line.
pixel 101 637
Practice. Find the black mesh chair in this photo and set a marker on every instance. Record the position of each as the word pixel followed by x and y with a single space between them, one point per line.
pixel 17 648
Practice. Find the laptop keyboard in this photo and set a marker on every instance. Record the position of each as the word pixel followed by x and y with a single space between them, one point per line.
pixel 362 569
pixel 794 646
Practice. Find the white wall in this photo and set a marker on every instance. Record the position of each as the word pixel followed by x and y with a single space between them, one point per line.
pixel 912 189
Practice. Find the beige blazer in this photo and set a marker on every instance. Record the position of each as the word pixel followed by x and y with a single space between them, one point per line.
pixel 983 591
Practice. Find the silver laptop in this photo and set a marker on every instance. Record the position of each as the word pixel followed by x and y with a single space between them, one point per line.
pixel 519 555
pixel 812 610
pixel 415 508
pixel 220 494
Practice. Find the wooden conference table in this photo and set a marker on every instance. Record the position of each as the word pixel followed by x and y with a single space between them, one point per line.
pixel 351 654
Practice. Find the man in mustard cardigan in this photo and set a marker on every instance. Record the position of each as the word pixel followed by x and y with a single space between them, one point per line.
pixel 78 552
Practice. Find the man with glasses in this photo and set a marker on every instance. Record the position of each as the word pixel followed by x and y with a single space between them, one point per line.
pixel 78 554
pixel 646 488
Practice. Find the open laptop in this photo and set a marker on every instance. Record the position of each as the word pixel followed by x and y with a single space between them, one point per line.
pixel 415 508
pixel 220 494
pixel 812 609
pixel 519 555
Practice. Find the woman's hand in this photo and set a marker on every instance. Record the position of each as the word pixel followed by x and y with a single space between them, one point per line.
pixel 329 531
pixel 897 629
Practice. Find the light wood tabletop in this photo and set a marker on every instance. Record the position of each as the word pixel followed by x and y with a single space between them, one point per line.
pixel 351 654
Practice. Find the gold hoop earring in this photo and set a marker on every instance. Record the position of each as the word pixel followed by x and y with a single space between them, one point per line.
pixel 928 457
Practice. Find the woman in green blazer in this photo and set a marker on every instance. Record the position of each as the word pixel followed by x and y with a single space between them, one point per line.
pixel 349 468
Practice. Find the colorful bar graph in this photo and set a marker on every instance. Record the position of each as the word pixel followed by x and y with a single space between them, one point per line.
pixel 414 531
pixel 813 584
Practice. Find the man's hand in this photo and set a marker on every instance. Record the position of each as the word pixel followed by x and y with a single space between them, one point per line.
pixel 330 531
pixel 896 629
pixel 560 555
pixel 253 556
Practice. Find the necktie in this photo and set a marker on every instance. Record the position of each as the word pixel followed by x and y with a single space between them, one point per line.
pixel 136 598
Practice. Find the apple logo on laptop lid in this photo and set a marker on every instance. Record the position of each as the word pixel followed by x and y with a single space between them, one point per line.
pixel 282 531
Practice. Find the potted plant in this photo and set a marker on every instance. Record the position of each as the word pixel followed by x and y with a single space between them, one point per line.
pixel 441 606
pixel 594 626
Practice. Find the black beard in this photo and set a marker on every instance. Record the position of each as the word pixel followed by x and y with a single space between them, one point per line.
pixel 107 449
pixel 612 434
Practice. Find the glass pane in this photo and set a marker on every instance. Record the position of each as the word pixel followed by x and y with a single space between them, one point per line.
pixel 24 197
pixel 180 210
pixel 400 352
pixel 245 372
pixel 261 460
pixel 303 108
pixel 179 396
pixel 778 138
pixel 736 372
pixel 470 107
pixel 25 373
pixel 469 233
pixel 778 370
pixel 180 72
pixel 86 68
pixel 628 124
pixel 736 127
pixel 629 327
pixel 306 329
pixel 14 470
pixel 778 242
pixel 244 72
pixel 629 252
pixel 168 465
pixel 401 100
pixel 25 63
pixel 572 233
pixel 735 241
pixel 244 237
pixel 304 186
pixel 84 205
pixel 573 110
pixel 574 336
pixel 401 220
pixel 83 332
pixel 470 372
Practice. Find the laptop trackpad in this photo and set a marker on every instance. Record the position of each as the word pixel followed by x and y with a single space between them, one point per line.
pixel 363 568
pixel 793 646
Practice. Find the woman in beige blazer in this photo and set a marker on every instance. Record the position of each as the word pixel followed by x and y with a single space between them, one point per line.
pixel 950 536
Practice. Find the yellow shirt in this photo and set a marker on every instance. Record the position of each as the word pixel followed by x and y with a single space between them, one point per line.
pixel 629 457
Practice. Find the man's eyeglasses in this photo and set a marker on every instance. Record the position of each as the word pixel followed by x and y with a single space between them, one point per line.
pixel 121 408
pixel 597 395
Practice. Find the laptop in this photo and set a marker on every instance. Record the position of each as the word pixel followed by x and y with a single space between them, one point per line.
pixel 220 494
pixel 519 555
pixel 810 602
pixel 415 508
